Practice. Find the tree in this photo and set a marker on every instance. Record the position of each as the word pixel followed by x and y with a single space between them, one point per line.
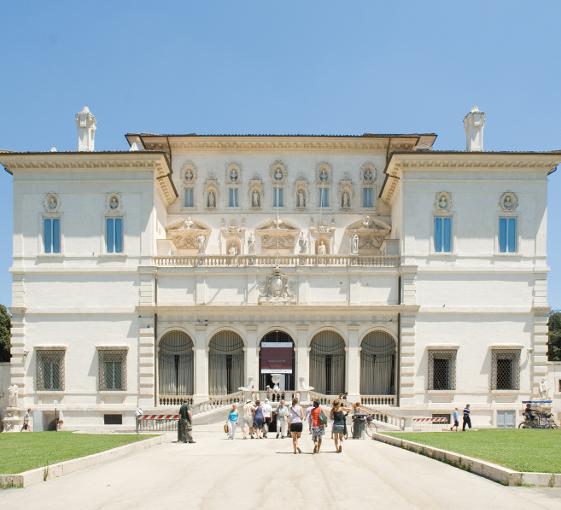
pixel 554 337
pixel 5 325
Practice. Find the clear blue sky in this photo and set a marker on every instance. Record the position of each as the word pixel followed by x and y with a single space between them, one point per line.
pixel 281 67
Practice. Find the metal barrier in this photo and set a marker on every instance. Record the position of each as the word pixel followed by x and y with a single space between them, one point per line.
pixel 158 423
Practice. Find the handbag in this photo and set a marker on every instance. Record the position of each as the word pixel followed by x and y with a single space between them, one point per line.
pixel 226 428
pixel 322 418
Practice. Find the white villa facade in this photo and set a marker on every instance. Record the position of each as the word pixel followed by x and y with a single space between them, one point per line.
pixel 192 265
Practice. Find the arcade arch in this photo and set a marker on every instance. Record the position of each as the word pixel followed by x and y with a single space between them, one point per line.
pixel 377 364
pixel 327 363
pixel 225 363
pixel 175 364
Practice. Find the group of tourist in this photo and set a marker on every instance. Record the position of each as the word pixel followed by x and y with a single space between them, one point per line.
pixel 257 420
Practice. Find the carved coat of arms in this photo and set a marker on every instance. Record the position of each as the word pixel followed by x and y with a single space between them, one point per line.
pixel 275 289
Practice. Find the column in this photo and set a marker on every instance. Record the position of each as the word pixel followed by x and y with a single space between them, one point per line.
pixel 352 369
pixel 201 364
pixel 251 356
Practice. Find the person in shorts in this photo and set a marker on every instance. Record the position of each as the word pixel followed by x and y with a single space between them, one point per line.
pixel 268 416
pixel 455 420
pixel 339 419
pixel 295 417
pixel 316 426
pixel 258 420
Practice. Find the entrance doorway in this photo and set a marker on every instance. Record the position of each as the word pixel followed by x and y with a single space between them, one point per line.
pixel 276 356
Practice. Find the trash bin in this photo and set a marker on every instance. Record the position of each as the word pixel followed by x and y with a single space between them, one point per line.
pixel 359 425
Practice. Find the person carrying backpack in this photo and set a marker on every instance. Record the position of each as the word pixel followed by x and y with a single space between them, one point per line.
pixel 318 421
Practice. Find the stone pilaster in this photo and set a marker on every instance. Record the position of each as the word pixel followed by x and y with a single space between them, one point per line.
pixel 201 364
pixel 146 365
pixel 407 359
pixel 19 351
pixel 539 367
pixel 352 369
pixel 302 349
pixel 146 339
pixel 251 356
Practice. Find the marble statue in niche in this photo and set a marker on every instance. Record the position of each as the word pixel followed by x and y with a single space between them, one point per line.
pixel 302 243
pixel 201 244
pixel 251 245
pixel 255 198
pixel 300 199
pixel 211 199
pixel 322 249
pixel 354 245
pixel 345 200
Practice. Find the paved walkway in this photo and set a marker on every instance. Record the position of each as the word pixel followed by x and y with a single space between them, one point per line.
pixel 260 474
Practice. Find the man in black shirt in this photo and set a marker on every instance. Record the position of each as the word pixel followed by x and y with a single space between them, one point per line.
pixel 184 425
pixel 467 418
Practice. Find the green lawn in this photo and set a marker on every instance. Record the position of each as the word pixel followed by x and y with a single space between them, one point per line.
pixel 521 450
pixel 22 451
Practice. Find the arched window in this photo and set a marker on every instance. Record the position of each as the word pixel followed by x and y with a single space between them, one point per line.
pixel 327 363
pixel 225 363
pixel 175 364
pixel 377 364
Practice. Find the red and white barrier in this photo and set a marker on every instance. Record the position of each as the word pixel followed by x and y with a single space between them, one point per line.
pixel 160 417
pixel 431 420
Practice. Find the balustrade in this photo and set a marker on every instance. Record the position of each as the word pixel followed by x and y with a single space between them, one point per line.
pixel 277 260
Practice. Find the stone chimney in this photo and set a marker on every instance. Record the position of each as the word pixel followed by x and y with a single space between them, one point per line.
pixel 85 121
pixel 474 122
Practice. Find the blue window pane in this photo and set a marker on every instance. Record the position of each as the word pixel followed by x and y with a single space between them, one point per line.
pixel 278 197
pixel 367 197
pixel 233 197
pixel 118 235
pixel 511 235
pixel 56 235
pixel 188 200
pixel 324 197
pixel 47 235
pixel 447 241
pixel 503 235
pixel 109 235
pixel 437 234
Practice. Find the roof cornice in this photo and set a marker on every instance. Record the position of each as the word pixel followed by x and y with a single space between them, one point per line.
pixel 365 143
pixel 454 160
pixel 133 160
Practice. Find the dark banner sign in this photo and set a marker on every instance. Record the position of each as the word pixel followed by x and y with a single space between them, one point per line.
pixel 276 357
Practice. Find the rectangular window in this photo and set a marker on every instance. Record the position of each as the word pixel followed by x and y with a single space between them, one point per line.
pixel 442 370
pixel 188 198
pixel 507 235
pixel 50 370
pixel 324 197
pixel 367 197
pixel 505 373
pixel 442 234
pixel 112 370
pixel 278 197
pixel 51 235
pixel 233 197
pixel 114 235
